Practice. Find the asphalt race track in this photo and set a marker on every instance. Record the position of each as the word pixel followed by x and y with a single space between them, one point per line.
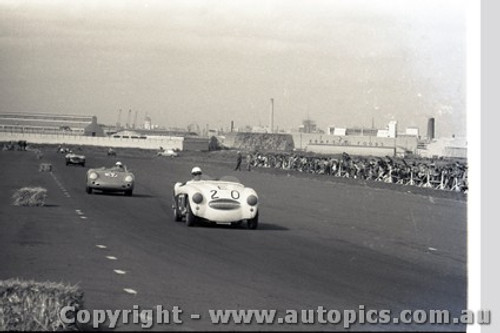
pixel 319 243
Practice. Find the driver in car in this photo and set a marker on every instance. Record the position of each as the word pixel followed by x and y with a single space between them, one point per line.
pixel 119 166
pixel 196 173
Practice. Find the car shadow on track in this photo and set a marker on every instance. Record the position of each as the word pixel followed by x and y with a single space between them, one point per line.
pixel 139 195
pixel 272 227
pixel 262 226
pixel 120 194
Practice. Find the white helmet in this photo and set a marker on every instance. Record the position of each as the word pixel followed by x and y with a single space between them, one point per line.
pixel 118 164
pixel 196 170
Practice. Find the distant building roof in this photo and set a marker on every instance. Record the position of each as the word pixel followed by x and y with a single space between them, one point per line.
pixel 157 132
pixel 44 121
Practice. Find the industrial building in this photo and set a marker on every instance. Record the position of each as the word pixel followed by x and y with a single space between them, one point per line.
pixel 44 122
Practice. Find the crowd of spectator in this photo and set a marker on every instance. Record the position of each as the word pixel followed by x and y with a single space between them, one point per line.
pixel 12 145
pixel 438 174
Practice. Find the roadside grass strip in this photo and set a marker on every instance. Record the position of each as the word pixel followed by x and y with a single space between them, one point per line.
pixel 30 196
pixel 35 306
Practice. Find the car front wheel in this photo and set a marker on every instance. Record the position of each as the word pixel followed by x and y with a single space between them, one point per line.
pixel 252 224
pixel 190 217
pixel 88 189
pixel 175 209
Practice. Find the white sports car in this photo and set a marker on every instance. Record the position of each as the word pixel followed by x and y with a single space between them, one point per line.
pixel 167 153
pixel 222 201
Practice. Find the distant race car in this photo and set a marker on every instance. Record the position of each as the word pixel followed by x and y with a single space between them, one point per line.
pixel 167 153
pixel 223 201
pixel 72 158
pixel 114 179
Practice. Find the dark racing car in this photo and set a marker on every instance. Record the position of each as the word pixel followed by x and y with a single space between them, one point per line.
pixel 75 159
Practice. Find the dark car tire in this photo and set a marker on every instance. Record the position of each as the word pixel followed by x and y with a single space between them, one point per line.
pixel 83 164
pixel 175 209
pixel 128 193
pixel 67 163
pixel 190 217
pixel 88 189
pixel 252 224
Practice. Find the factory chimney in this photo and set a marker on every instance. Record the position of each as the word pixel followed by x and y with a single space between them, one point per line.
pixel 431 123
pixel 271 124
pixel 128 119
pixel 135 120
pixel 118 123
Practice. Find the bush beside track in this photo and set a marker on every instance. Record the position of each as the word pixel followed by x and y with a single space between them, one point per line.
pixel 35 306
pixel 30 196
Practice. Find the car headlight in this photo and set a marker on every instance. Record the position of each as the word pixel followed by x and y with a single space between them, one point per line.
pixel 93 176
pixel 197 197
pixel 252 200
pixel 129 179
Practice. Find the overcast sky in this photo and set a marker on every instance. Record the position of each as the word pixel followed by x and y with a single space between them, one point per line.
pixel 338 62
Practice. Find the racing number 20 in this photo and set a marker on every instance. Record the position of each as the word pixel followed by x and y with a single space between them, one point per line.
pixel 234 194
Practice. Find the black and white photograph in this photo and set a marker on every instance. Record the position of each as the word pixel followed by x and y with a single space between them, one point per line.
pixel 240 165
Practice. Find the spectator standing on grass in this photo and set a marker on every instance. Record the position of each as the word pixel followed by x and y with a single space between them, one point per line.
pixel 249 162
pixel 239 158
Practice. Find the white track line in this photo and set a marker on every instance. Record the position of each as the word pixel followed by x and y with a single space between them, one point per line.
pixel 130 291
pixel 60 185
